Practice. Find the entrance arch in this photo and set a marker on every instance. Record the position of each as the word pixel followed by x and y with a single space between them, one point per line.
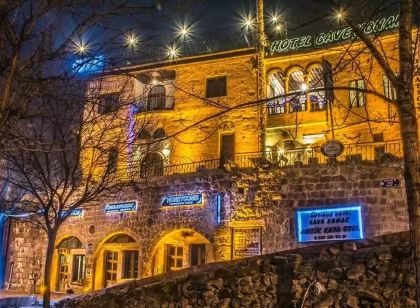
pixel 69 265
pixel 180 249
pixel 117 260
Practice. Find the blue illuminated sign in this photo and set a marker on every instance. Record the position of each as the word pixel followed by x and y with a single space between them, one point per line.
pixel 88 65
pixel 182 200
pixel 329 224
pixel 73 213
pixel 121 207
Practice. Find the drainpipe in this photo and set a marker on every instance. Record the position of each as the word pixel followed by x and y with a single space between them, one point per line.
pixel 3 249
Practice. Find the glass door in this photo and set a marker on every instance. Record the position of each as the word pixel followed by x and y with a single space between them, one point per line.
pixel 174 257
pixel 63 272
pixel 111 267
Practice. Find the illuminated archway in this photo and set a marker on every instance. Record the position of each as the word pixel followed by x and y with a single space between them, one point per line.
pixel 180 249
pixel 69 261
pixel 117 260
pixel 316 81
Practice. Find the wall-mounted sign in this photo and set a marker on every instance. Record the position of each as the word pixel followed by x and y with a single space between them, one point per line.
pixel 246 242
pixel 334 36
pixel 390 183
pixel 73 213
pixel 121 207
pixel 176 200
pixel 329 224
pixel 332 148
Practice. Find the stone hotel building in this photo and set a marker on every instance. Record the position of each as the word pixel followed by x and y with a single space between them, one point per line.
pixel 213 189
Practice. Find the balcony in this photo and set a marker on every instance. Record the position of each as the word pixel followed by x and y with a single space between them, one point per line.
pixel 372 151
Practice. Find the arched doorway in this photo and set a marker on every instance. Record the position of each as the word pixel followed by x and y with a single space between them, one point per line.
pixel 151 165
pixel 117 261
pixel 71 265
pixel 180 249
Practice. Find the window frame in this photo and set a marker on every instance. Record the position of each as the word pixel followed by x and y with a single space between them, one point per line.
pixel 357 94
pixel 103 108
pixel 161 104
pixel 134 272
pixel 207 95
pixel 389 90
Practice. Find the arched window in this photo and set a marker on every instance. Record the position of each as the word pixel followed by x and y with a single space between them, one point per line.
pixel 156 98
pixel 70 243
pixel 296 88
pixel 120 239
pixel 316 81
pixel 276 88
pixel 143 134
pixel 151 165
pixel 159 133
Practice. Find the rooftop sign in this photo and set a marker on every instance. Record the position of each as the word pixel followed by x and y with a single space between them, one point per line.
pixel 313 41
pixel 329 224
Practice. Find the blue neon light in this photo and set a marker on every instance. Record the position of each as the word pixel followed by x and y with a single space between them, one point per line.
pixel 219 203
pixel 190 199
pixel 2 250
pixel 329 224
pixel 73 213
pixel 121 207
pixel 88 65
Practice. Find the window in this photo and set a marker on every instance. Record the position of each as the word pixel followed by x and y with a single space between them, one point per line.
pixel 112 159
pixel 108 103
pixel 131 264
pixel 63 268
pixel 70 243
pixel 357 97
pixel 151 165
pixel 198 254
pixel 156 98
pixel 159 133
pixel 316 81
pixel 143 134
pixel 174 257
pixel 389 90
pixel 296 87
pixel 276 83
pixel 216 87
pixel 378 137
pixel 379 152
pixel 227 147
pixel 111 267
pixel 78 269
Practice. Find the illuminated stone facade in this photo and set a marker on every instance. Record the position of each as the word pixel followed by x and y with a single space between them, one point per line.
pixel 248 199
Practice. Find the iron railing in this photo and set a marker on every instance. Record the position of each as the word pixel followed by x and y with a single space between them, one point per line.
pixel 352 152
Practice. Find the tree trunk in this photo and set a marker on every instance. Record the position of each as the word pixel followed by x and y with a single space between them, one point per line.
pixel 409 130
pixel 47 268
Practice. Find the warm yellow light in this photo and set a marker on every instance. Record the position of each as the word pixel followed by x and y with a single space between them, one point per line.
pixel 131 40
pixel 281 151
pixel 278 28
pixel 172 51
pixel 42 289
pixel 80 46
pixel 304 87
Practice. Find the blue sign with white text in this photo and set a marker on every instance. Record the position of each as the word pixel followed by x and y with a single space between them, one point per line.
pixel 329 224
pixel 73 213
pixel 182 200
pixel 121 207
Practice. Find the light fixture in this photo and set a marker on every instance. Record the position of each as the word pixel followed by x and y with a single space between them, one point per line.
pixel 278 28
pixel 131 40
pixel 304 87
pixel 172 51
pixel 80 47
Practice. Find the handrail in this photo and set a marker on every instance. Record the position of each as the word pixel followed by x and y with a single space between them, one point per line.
pixel 367 151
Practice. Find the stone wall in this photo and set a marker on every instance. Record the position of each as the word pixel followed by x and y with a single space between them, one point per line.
pixel 265 199
pixel 376 273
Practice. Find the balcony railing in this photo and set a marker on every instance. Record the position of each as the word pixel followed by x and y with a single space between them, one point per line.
pixel 281 158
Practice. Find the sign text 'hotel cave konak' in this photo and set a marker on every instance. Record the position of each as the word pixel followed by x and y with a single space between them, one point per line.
pixel 334 36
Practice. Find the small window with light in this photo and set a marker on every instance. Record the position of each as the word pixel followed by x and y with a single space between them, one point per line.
pixel 357 94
